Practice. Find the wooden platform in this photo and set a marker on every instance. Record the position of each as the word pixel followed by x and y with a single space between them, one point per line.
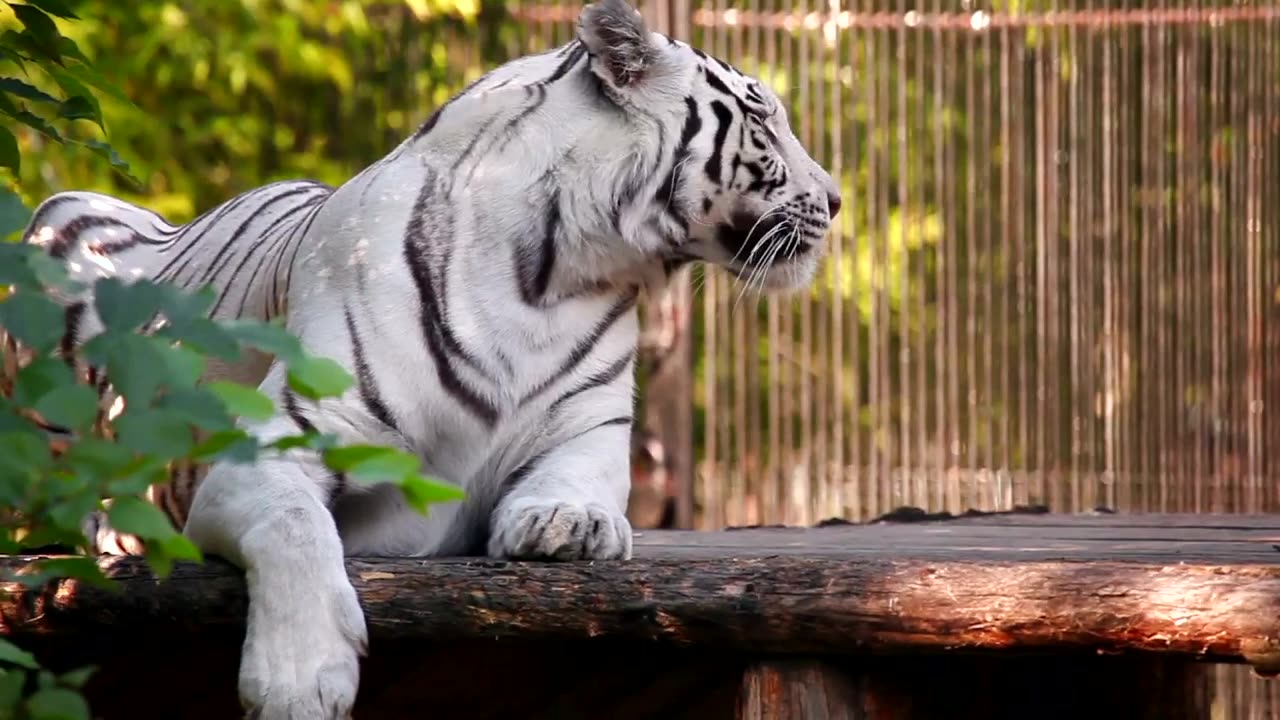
pixel 877 620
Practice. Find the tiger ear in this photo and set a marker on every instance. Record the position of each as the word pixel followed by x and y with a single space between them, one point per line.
pixel 615 36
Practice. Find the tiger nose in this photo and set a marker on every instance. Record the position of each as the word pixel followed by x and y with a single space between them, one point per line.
pixel 833 204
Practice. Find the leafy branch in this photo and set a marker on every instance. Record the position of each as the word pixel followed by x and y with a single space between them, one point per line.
pixel 70 451
pixel 44 57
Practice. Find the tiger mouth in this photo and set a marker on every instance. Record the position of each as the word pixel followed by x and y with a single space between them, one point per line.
pixel 754 242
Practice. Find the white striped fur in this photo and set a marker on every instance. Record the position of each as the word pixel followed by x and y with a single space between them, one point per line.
pixel 479 281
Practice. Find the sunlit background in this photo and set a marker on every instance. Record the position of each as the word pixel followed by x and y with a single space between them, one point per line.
pixel 1055 281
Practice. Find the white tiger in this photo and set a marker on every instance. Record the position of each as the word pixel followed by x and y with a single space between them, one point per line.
pixel 479 282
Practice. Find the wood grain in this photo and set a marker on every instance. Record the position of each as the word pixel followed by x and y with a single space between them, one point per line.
pixel 844 589
pixel 798 690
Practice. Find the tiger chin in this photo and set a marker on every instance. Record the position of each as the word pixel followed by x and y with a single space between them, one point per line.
pixel 479 281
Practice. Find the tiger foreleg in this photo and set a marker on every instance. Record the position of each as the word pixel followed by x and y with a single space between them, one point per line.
pixel 306 630
pixel 570 502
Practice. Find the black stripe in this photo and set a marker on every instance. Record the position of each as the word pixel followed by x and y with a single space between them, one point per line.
pixel 439 338
pixel 539 91
pixel 724 118
pixel 575 54
pixel 300 232
pixel 338 490
pixel 190 242
pixel 519 474
pixel 483 131
pixel 515 477
pixel 66 236
pixel 215 266
pixel 716 83
pixel 366 384
pixel 666 194
pixel 295 413
pixel 73 315
pixel 269 233
pixel 534 267
pixel 434 118
pixel 584 348
pixel 49 206
pixel 275 250
pixel 602 378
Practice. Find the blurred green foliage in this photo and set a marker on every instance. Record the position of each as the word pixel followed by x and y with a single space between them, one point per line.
pixel 225 95
pixel 55 104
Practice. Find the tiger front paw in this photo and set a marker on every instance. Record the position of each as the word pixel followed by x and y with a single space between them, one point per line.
pixel 301 657
pixel 532 528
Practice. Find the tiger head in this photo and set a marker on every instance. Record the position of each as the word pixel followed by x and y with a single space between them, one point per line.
pixel 739 190
pixel 626 154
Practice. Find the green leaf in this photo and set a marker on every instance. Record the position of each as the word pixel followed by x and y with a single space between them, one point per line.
pixel 96 456
pixel 180 547
pixel 420 492
pixel 39 378
pixel 34 319
pixel 154 432
pixel 68 513
pixel 242 400
pixel 24 451
pixel 53 273
pixel 14 216
pixel 180 305
pixel 37 123
pixel 57 704
pixel 139 517
pixel 11 685
pixel 131 362
pixel 125 306
pixel 140 475
pixel 78 107
pixel 310 439
pixel 12 422
pixel 14 655
pixel 71 406
pixel 73 88
pixel 54 7
pixel 41 29
pixel 26 90
pixel 199 407
pixel 78 677
pixel 235 446
pixel 9 155
pixel 106 152
pixel 371 463
pixel 68 47
pixel 318 377
pixel 45 679
pixel 270 338
pixel 87 75
pixel 183 366
pixel 204 335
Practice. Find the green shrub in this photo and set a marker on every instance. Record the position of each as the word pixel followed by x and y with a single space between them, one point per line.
pixel 155 346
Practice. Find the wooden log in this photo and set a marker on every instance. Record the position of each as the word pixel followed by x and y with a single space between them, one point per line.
pixel 798 690
pixel 914 687
pixel 787 605
pixel 987 687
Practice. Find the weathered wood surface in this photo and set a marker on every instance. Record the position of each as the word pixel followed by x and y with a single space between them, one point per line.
pixel 1151 687
pixel 799 690
pixel 1207 587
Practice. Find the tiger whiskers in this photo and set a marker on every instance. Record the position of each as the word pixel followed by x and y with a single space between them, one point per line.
pixel 758 271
